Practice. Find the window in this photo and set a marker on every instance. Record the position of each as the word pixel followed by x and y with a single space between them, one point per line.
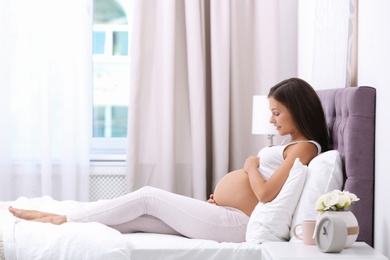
pixel 111 77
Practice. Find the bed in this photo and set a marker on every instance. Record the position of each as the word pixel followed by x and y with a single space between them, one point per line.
pixel 350 114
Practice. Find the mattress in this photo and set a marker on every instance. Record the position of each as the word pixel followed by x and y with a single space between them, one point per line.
pixel 33 240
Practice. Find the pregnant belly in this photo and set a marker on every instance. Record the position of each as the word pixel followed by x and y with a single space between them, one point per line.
pixel 234 190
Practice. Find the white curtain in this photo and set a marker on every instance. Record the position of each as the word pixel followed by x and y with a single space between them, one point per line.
pixel 45 50
pixel 195 67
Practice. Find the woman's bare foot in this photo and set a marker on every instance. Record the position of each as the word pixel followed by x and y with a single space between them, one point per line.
pixel 38 216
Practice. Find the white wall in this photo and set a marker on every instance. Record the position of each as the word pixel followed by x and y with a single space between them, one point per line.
pixel 374 70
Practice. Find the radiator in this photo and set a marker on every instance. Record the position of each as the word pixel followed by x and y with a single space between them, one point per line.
pixel 106 181
pixel 106 186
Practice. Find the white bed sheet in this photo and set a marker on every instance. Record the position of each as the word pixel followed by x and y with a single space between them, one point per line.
pixel 25 239
pixel 147 246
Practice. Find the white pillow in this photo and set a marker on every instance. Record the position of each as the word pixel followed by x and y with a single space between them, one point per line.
pixel 35 240
pixel 324 174
pixel 271 221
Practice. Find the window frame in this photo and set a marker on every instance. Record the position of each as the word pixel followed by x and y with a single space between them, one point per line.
pixel 107 148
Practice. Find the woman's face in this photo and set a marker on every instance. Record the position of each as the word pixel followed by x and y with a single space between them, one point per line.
pixel 281 118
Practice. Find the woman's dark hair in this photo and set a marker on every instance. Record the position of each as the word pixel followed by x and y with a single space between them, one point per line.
pixel 305 107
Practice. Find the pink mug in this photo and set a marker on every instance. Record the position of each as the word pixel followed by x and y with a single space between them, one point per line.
pixel 307 227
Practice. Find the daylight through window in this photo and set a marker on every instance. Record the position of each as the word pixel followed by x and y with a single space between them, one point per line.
pixel 111 68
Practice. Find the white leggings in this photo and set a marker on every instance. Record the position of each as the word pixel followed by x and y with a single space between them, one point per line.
pixel 157 211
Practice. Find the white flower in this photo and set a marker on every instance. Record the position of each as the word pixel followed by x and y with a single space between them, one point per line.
pixel 335 201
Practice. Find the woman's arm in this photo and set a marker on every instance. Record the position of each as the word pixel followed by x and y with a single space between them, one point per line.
pixel 266 191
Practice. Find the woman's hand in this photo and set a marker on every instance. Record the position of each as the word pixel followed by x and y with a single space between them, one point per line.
pixel 251 163
pixel 211 199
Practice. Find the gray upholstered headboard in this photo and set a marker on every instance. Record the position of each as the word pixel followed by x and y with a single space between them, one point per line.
pixel 350 114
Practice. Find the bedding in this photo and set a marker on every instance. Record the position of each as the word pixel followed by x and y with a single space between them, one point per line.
pixel 350 114
pixel 271 221
pixel 324 174
pixel 158 246
pixel 32 240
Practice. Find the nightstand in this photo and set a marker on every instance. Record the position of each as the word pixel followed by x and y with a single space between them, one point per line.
pixel 297 250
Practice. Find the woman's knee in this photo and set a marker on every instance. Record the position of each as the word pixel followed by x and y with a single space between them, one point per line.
pixel 149 190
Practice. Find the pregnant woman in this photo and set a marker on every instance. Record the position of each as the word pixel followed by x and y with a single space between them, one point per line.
pixel 295 110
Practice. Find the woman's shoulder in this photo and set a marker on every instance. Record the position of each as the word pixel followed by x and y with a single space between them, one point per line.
pixel 305 142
